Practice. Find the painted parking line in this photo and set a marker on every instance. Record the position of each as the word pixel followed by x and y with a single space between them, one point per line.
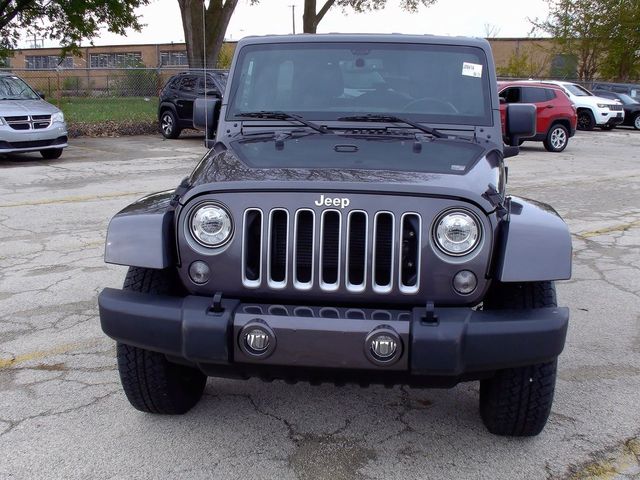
pixel 623 227
pixel 6 363
pixel 72 199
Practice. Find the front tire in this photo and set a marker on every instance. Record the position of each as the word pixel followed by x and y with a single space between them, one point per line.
pixel 51 153
pixel 517 401
pixel 169 125
pixel 557 139
pixel 586 121
pixel 151 383
pixel 636 122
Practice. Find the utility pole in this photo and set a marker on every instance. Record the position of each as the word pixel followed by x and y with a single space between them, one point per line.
pixel 293 17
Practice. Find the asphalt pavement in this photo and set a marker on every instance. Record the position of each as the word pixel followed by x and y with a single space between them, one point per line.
pixel 63 413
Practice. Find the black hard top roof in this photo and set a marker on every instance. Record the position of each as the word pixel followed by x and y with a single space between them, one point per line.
pixel 366 38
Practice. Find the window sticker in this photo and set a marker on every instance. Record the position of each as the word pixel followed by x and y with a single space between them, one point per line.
pixel 471 70
pixel 458 168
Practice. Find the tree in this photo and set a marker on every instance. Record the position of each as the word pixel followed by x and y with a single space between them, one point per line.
pixel 68 22
pixel 597 32
pixel 312 17
pixel 204 29
pixel 523 63
pixel 622 58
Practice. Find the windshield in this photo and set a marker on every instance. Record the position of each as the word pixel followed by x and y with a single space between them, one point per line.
pixel 326 81
pixel 626 99
pixel 577 90
pixel 12 88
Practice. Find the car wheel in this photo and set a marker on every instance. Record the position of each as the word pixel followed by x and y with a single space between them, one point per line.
pixel 169 125
pixel 636 121
pixel 517 401
pixel 152 383
pixel 586 120
pixel 51 154
pixel 557 139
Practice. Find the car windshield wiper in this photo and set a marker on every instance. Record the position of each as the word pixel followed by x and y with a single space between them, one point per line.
pixel 393 119
pixel 278 115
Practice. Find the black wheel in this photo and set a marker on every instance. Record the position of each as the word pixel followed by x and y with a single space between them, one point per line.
pixel 517 401
pixel 636 121
pixel 557 138
pixel 586 121
pixel 169 125
pixel 152 383
pixel 51 154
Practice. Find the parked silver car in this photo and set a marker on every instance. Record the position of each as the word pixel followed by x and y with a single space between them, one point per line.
pixel 27 122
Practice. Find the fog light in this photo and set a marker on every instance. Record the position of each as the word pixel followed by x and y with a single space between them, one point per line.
pixel 465 282
pixel 199 272
pixel 383 346
pixel 256 339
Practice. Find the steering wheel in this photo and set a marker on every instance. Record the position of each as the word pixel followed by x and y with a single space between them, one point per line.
pixel 431 105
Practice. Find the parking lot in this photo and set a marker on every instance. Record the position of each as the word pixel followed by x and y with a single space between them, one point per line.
pixel 63 413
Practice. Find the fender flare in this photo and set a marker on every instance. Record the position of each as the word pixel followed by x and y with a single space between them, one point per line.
pixel 534 244
pixel 142 234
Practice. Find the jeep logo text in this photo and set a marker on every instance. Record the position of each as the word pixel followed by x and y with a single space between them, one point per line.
pixel 332 202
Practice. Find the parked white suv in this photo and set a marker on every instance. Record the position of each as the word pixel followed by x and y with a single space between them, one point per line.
pixel 27 122
pixel 593 111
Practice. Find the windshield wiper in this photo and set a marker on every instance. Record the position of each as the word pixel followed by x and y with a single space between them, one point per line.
pixel 278 115
pixel 393 119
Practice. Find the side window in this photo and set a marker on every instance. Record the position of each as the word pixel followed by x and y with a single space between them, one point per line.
pixel 210 85
pixel 511 95
pixel 551 94
pixel 534 95
pixel 188 84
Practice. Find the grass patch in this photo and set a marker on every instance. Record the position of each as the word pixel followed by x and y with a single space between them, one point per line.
pixel 96 110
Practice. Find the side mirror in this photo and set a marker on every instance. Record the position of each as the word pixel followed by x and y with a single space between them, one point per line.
pixel 521 122
pixel 502 100
pixel 206 113
pixel 40 94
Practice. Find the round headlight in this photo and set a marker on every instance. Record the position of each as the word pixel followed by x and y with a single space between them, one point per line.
pixel 457 233
pixel 211 225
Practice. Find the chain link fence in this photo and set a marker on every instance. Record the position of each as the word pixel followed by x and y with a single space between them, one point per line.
pixel 94 96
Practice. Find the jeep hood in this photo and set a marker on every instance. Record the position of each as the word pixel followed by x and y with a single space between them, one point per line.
pixel 475 167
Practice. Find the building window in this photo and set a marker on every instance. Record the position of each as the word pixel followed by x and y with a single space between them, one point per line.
pixel 115 60
pixel 47 62
pixel 174 59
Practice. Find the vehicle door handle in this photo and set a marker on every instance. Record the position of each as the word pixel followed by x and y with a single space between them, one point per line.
pixel 549 106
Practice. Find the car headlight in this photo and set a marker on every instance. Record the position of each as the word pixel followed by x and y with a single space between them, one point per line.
pixel 57 117
pixel 457 233
pixel 2 122
pixel 211 225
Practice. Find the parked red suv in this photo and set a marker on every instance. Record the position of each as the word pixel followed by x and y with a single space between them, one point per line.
pixel 556 114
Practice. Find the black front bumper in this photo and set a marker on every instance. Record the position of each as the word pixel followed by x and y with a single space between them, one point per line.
pixel 459 343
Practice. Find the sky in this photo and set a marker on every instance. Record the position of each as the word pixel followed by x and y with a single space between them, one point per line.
pixel 446 17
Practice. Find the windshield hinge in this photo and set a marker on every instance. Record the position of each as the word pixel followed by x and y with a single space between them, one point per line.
pixel 496 199
pixel 180 191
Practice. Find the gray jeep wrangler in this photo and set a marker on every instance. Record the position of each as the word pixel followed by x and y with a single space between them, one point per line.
pixel 349 224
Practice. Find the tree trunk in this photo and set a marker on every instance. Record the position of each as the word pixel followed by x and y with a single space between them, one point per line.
pixel 311 18
pixel 216 21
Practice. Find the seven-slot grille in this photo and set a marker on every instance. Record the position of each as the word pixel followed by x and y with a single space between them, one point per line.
pixel 616 107
pixel 28 122
pixel 331 249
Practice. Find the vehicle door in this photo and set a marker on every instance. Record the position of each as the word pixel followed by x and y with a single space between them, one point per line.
pixel 186 96
pixel 546 110
pixel 507 96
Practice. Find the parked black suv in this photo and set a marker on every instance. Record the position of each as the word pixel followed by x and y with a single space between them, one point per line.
pixel 175 110
pixel 630 105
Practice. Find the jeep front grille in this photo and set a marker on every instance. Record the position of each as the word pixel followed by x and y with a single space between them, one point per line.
pixel 331 249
